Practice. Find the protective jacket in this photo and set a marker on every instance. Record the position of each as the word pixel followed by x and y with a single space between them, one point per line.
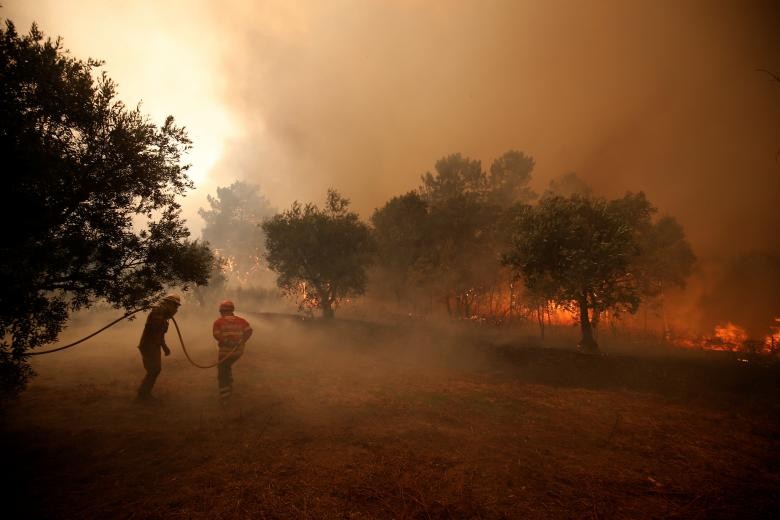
pixel 230 332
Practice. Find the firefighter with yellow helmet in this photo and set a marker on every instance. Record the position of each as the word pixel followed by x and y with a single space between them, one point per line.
pixel 153 342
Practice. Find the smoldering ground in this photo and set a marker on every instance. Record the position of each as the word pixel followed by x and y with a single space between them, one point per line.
pixel 401 420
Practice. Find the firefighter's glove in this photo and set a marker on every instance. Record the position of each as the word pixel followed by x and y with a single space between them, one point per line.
pixel 166 350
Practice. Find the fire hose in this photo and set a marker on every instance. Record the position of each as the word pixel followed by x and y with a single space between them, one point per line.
pixel 124 317
pixel 86 337
pixel 184 348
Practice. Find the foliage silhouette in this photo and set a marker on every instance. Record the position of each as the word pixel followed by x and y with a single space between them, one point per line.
pixel 319 254
pixel 592 254
pixel 88 210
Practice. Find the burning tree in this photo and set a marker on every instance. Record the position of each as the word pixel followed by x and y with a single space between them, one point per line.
pixel 81 174
pixel 324 252
pixel 594 255
pixel 233 228
pixel 447 235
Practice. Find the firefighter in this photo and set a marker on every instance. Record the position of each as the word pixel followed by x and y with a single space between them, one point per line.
pixel 153 341
pixel 231 333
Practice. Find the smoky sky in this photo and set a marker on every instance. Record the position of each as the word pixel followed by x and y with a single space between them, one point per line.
pixel 365 96
pixel 655 96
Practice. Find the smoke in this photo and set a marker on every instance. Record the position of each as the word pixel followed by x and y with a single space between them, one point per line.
pixel 365 97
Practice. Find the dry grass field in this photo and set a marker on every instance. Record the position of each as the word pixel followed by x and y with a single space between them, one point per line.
pixel 351 420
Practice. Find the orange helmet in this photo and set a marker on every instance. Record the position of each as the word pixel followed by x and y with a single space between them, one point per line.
pixel 227 306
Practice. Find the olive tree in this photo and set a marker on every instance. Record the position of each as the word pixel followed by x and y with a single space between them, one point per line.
pixel 322 252
pixel 592 254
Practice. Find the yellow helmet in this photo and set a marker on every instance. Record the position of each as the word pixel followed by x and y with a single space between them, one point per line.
pixel 172 298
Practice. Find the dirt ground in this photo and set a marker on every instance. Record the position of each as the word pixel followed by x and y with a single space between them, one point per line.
pixel 349 420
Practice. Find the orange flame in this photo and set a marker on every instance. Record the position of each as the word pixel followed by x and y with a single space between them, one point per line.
pixel 730 334
pixel 772 342
pixel 230 269
pixel 733 338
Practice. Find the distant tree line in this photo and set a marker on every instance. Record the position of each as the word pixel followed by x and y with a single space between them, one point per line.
pixel 465 232
pixel 467 238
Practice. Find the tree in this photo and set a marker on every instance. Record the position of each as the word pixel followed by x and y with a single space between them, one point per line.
pixel 666 261
pixel 458 226
pixel 468 212
pixel 509 177
pixel 401 231
pixel 461 250
pixel 593 254
pixel 447 235
pixel 455 176
pixel 324 252
pixel 568 185
pixel 233 227
pixel 667 258
pixel 458 176
pixel 83 177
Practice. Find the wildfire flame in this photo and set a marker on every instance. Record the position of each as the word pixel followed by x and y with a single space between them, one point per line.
pixel 772 342
pixel 230 267
pixel 731 334
pixel 733 338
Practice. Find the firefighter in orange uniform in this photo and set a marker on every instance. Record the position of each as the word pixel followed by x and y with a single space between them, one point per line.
pixel 231 333
pixel 153 340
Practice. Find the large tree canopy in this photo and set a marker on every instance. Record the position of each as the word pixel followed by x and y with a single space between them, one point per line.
pixel 595 254
pixel 323 252
pixel 88 209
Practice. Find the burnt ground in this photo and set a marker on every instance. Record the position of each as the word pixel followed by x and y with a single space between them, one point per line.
pixel 356 421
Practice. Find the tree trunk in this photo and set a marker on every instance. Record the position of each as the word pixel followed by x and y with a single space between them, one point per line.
pixel 587 343
pixel 511 301
pixel 327 312
pixel 327 307
pixel 549 313
pixel 665 323
pixel 540 319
